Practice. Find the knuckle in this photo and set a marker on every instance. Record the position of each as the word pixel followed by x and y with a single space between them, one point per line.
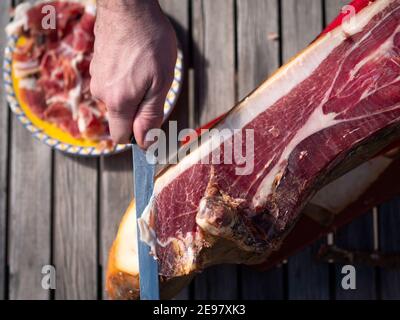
pixel 115 103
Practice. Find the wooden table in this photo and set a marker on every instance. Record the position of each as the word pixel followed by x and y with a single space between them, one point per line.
pixel 62 210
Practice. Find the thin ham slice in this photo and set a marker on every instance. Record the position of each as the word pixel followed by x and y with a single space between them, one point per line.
pixel 35 98
pixel 58 62
pixel 60 114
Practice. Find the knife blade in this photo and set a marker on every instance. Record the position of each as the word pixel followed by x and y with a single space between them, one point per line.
pixel 143 184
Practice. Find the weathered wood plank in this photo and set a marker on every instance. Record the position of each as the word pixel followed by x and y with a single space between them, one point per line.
pixel 332 8
pixel 214 67
pixel 301 23
pixel 258 57
pixel 75 227
pixel 4 129
pixel 257 285
pixel 307 278
pixel 116 193
pixel 357 236
pixel 178 12
pixel 257 42
pixel 389 241
pixel 29 213
pixel 214 57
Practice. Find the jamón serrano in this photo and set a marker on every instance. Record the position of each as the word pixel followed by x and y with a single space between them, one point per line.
pixel 331 108
pixel 52 65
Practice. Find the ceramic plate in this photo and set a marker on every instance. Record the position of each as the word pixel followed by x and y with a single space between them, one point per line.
pixel 50 134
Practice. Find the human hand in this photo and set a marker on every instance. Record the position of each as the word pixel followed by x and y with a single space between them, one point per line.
pixel 133 66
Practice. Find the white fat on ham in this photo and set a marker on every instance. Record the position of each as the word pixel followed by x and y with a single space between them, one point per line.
pixel 20 21
pixel 383 49
pixel 24 69
pixel 264 97
pixel 90 7
pixel 83 121
pixel 146 233
pixel 315 123
pixel 28 83
pixel 319 121
pixel 361 19
pixel 75 94
pixel 126 252
pixel 270 92
pixel 82 126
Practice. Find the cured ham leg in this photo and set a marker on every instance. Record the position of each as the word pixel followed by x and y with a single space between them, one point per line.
pixel 330 109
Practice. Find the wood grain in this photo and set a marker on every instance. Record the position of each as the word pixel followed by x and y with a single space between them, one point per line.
pixel 301 23
pixel 75 227
pixel 258 57
pixel 116 193
pixel 357 236
pixel 214 71
pixel 214 58
pixel 29 213
pixel 257 285
pixel 178 12
pixel 332 8
pixel 307 278
pixel 4 139
pixel 257 43
pixel 389 241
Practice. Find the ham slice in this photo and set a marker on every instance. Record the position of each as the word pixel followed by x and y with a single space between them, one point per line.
pixel 330 109
pixel 34 95
pixel 57 61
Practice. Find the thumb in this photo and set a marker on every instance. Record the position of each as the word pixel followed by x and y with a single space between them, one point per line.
pixel 148 116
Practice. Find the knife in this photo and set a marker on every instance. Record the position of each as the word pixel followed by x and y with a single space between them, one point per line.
pixel 143 184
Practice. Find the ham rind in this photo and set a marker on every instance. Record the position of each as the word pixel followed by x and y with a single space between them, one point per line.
pixel 331 108
pixel 367 185
pixel 340 94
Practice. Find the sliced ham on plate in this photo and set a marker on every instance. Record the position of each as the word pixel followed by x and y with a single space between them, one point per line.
pixel 53 68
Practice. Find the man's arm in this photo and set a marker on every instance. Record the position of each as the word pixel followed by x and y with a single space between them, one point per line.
pixel 133 65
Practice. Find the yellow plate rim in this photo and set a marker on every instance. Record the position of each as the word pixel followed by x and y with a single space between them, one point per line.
pixel 28 120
